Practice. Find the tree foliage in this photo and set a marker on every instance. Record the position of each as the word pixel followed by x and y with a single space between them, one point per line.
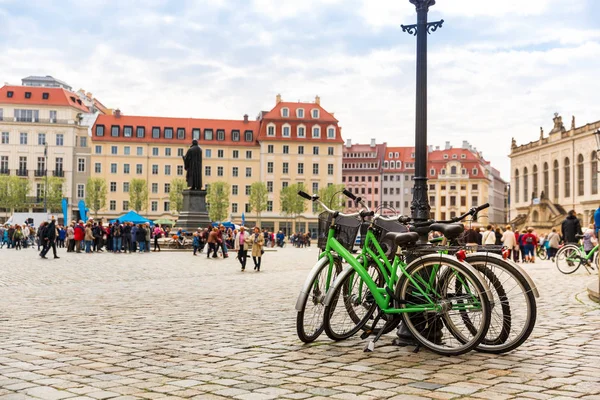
pixel 95 195
pixel 258 199
pixel 178 185
pixel 332 197
pixel 291 204
pixel 13 192
pixel 55 193
pixel 218 200
pixel 138 194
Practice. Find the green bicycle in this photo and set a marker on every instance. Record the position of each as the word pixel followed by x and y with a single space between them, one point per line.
pixel 571 256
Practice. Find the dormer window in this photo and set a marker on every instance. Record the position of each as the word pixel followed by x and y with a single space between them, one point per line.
pixel 463 156
pixel 398 164
pixel 432 172
pixel 220 134
pixel 316 132
pixel 286 130
pixel 155 132
pixel 195 134
pixel 248 136
pixel 391 155
pixel 235 136
pixel 180 133
pixel 412 155
pixel 127 131
pixel 474 171
pixel 99 130
pixel 9 94
pixel 443 171
pixel 45 95
pixel 27 95
pixel 168 133
pixel 331 133
pixel 301 133
pixel 454 156
pixel 315 113
pixel 285 112
pixel 72 99
pixel 385 165
pixel 396 155
pixel 300 113
pixel 445 156
pixel 114 130
pixel 463 171
pixel 271 130
pixel 208 134
pixel 79 102
pixel 141 132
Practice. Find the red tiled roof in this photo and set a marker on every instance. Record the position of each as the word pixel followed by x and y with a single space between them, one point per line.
pixel 275 113
pixel 437 162
pixel 56 97
pixel 187 123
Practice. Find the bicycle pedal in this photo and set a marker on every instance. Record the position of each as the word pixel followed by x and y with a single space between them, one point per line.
pixel 365 334
pixel 370 347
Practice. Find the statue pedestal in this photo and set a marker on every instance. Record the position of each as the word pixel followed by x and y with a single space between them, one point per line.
pixel 194 214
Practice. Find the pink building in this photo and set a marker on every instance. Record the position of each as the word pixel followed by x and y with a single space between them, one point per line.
pixel 362 169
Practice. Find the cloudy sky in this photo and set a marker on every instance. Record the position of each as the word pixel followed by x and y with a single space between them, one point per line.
pixel 497 69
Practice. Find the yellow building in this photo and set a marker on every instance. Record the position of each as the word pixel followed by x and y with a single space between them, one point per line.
pixel 294 142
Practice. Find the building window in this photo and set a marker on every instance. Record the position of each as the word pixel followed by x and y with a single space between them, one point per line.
pixel 285 132
pixel 167 170
pixel 180 133
pixel 98 168
pixel 331 133
pixel 248 154
pixel 270 186
pixel 316 132
pixel 517 190
pixel 329 169
pixel 432 172
pixel 126 150
pixel 113 168
pixel 474 201
pixel 140 131
pixel 154 206
pixel 155 132
pixel 301 133
pixel 247 207
pixel 220 153
pixel 300 149
pixel 23 138
pixel 535 181
pixel 125 187
pixel 285 112
pixel 234 190
pixel 580 177
pixel 315 169
pixel 594 161
pixel 180 170
pixel 271 130
pixel 166 206
pixel 220 134
pixel 234 207
pixel 219 171
pixel 235 136
pixel 127 131
pixel 234 172
pixel 195 134
pixel 453 170
pixel 167 188
pixel 41 139
pixel 99 130
pixel 81 165
pixel 112 205
pixel 207 170
pixel 154 169
pixel 248 190
pixel 126 169
pixel 475 171
pixel 167 152
pixel 330 151
pixel 114 130
pixel 113 187
pixel 138 169
pixel 300 113
pixel 155 188
pixel 248 136
pixel 168 133
pixel 208 153
pixel 285 168
pixel 113 150
pixel 248 172
pixel 315 113
pixel 270 149
pixel 300 168
pixel 567 177
pixel 269 167
pixel 80 191
pixel 315 150
pixel 5 138
pixel 284 184
pixel 546 178
pixel 286 149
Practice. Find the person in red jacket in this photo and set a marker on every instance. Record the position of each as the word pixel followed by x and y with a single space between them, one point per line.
pixel 79 235
pixel 529 242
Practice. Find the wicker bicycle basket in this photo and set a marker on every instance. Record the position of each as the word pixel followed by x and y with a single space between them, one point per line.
pixel 346 229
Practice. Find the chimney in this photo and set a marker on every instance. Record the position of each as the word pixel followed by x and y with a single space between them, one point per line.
pixel 117 113
pixel 245 118
pixel 317 100
pixel 430 148
pixel 348 143
pixel 437 147
pixel 372 142
pixel 278 99
pixel 465 144
pixel 448 147
pixel 89 95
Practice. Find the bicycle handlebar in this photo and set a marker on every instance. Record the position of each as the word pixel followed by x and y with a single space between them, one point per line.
pixel 473 211
pixel 362 213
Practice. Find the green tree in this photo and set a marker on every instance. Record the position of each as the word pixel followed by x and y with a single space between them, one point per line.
pixel 18 189
pixel 258 199
pixel 218 200
pixel 138 195
pixel 55 193
pixel 291 204
pixel 95 195
pixel 178 185
pixel 4 193
pixel 332 197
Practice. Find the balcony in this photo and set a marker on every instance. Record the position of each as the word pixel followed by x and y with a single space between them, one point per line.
pixel 34 199
pixel 59 173
pixel 4 172
pixel 44 121
pixel 22 172
pixel 39 172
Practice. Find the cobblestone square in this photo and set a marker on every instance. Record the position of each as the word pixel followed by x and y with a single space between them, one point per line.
pixel 170 325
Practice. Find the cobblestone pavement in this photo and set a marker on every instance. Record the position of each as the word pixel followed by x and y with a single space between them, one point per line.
pixel 170 325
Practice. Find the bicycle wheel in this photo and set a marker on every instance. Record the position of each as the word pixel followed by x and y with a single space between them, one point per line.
pixel 542 253
pixel 568 259
pixel 514 309
pixel 443 330
pixel 351 304
pixel 310 306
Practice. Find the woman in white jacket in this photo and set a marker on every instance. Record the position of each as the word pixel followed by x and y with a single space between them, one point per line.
pixel 509 241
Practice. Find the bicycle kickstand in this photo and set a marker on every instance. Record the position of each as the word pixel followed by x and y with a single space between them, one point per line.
pixel 371 345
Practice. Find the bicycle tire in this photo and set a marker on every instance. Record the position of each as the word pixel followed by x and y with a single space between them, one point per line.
pixel 349 320
pixel 516 298
pixel 428 327
pixel 563 255
pixel 542 254
pixel 317 297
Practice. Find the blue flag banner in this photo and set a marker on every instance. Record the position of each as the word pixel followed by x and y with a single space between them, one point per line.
pixel 65 210
pixel 82 211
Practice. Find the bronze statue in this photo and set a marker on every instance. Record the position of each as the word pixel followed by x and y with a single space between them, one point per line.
pixel 193 166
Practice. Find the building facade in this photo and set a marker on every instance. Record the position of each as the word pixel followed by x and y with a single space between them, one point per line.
pixel 554 174
pixel 31 117
pixel 397 184
pixel 362 172
pixel 292 143
pixel 45 81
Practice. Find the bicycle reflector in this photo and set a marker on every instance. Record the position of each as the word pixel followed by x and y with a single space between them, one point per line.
pixel 461 255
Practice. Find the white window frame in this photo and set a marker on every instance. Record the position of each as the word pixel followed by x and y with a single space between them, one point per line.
pixel 289 128
pixel 298 131
pixel 82 187
pixel 312 113
pixel 79 164
pixel 300 111
pixel 386 165
pixel 285 112
pixel 312 131
pixel 271 125
pixel 329 128
pixel 475 171
pixel 398 164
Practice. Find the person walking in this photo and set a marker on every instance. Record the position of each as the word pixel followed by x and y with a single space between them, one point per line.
pixel 529 241
pixel 570 228
pixel 589 240
pixel 258 241
pixel 79 236
pixel 117 234
pixel 147 235
pixel 489 236
pixel 89 237
pixel 553 240
pixel 140 237
pixel 71 237
pixel 509 241
pixel 158 233
pixel 18 237
pixel 213 243
pixel 49 237
pixel 195 242
pixel 242 247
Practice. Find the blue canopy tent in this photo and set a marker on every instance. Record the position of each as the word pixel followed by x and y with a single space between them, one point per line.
pixel 227 225
pixel 133 217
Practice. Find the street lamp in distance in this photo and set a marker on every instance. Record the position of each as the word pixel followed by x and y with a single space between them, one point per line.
pixel 46 176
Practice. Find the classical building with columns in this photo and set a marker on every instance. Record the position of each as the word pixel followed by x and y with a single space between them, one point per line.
pixel 555 174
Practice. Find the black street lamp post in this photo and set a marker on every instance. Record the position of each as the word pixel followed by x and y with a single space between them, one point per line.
pixel 46 176
pixel 420 203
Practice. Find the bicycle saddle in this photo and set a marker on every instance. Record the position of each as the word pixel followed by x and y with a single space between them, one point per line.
pixel 450 231
pixel 401 239
pixel 579 236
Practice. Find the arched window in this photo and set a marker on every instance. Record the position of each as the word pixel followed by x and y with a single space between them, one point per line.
pixel 546 180
pixel 525 184
pixel 555 180
pixel 580 179
pixel 453 170
pixel 594 161
pixel 535 216
pixel 535 181
pixel 567 177
pixel 517 187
